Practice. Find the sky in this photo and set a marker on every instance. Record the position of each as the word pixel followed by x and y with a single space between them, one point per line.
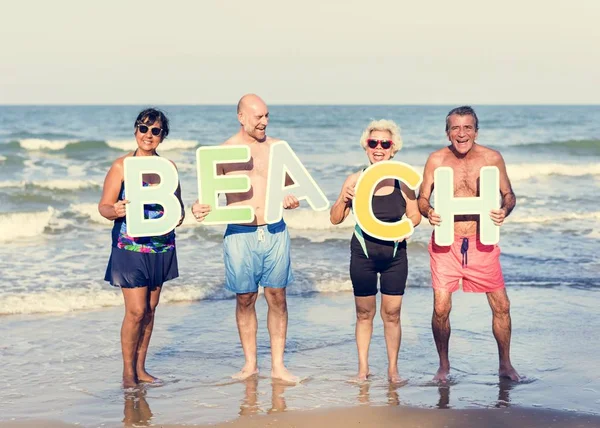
pixel 300 52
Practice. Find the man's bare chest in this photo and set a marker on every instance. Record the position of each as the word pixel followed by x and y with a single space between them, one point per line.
pixel 256 167
pixel 466 179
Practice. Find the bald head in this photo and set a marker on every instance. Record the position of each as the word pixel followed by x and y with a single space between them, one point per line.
pixel 253 116
pixel 248 101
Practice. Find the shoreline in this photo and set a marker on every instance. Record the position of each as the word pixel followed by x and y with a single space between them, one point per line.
pixel 81 358
pixel 413 417
pixel 376 416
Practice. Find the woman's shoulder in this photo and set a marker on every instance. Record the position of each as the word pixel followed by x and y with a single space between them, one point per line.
pixel 118 162
pixel 117 168
pixel 353 178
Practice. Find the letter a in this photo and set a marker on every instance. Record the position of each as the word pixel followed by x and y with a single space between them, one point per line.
pixel 282 160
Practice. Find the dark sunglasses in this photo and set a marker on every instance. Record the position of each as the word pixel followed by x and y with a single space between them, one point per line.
pixel 155 131
pixel 385 144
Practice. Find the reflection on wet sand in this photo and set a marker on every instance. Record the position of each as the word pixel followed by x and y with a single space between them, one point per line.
pixel 392 395
pixel 504 388
pixel 444 400
pixel 136 410
pixel 250 403
pixel 363 392
pixel 277 399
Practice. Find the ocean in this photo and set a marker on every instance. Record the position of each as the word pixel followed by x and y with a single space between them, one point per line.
pixel 59 321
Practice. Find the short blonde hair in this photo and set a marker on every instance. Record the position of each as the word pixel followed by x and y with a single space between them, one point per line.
pixel 383 125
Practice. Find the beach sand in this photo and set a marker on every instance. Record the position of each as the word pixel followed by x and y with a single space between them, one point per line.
pixel 407 417
pixel 386 417
pixel 71 372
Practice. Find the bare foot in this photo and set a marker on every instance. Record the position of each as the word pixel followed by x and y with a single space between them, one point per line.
pixel 247 371
pixel 129 382
pixel 283 374
pixel 145 377
pixel 361 377
pixel 442 375
pixel 394 377
pixel 509 372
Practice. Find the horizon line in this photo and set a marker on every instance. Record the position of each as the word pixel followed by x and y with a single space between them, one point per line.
pixel 298 104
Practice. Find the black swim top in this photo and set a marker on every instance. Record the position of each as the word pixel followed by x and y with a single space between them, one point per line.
pixel 389 209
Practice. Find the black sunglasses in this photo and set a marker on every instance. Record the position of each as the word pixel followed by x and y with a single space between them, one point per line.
pixel 385 144
pixel 155 131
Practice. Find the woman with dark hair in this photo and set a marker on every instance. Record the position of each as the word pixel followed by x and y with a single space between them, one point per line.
pixel 139 266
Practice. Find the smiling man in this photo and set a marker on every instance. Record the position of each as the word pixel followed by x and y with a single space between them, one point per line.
pixel 467 259
pixel 256 253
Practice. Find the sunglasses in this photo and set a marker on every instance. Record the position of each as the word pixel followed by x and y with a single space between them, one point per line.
pixel 155 131
pixel 385 144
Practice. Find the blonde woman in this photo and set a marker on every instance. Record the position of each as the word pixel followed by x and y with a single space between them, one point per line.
pixel 370 256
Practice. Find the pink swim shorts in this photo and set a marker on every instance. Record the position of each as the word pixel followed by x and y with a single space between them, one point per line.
pixel 478 265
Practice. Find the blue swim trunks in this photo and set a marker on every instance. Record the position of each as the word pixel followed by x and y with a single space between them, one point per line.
pixel 257 255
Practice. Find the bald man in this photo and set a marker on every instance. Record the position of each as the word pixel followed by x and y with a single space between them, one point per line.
pixel 256 253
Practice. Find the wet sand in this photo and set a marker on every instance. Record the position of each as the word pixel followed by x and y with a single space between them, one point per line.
pixel 409 417
pixel 384 417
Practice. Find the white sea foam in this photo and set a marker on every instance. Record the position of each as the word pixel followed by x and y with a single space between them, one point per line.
pixel 125 145
pixel 36 144
pixel 11 184
pixel 526 171
pixel 97 296
pixel 315 225
pixel 49 301
pixel 555 218
pixel 307 219
pixel 169 144
pixel 77 170
pixel 24 225
pixel 90 211
pixel 189 293
pixel 2 158
pixel 594 234
pixel 166 145
pixel 320 286
pixel 64 184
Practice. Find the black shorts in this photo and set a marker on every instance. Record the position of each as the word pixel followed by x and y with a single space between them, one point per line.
pixel 393 273
pixel 131 269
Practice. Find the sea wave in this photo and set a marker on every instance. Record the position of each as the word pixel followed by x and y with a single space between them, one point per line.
pixel 36 144
pixel 57 301
pixel 90 211
pixel 24 224
pixel 573 147
pixel 556 218
pixel 74 145
pixel 166 145
pixel 64 184
pixel 26 134
pixel 525 171
pixel 305 219
pixel 99 296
